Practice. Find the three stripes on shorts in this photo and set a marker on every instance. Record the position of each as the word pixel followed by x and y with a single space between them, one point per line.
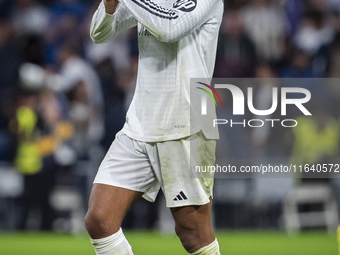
pixel 180 196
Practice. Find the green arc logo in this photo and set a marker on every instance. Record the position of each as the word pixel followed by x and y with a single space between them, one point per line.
pixel 209 93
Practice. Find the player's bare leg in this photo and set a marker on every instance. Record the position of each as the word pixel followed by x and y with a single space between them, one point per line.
pixel 193 227
pixel 108 206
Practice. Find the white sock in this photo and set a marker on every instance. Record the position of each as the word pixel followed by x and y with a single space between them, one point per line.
pixel 115 244
pixel 211 249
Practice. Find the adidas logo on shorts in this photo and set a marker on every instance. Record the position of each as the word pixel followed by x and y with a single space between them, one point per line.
pixel 180 196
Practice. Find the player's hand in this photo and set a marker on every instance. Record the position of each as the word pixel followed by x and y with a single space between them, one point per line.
pixel 110 6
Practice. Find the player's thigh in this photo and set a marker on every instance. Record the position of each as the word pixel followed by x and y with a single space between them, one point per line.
pixel 122 178
pixel 107 207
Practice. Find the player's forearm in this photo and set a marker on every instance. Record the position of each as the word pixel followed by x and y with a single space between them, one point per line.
pixel 102 28
pixel 110 6
pixel 105 25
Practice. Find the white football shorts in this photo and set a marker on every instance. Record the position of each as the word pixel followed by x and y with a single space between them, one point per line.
pixel 148 166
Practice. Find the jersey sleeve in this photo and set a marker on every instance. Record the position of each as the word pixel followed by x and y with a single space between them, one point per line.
pixel 104 26
pixel 171 24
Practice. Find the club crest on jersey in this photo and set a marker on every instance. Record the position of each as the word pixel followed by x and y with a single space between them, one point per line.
pixel 185 5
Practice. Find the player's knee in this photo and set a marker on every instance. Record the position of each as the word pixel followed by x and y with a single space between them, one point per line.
pixel 94 221
pixel 98 224
pixel 190 237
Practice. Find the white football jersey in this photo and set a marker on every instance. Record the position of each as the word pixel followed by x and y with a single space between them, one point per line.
pixel 177 41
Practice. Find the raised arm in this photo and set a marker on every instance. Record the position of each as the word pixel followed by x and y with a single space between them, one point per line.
pixel 110 19
pixel 173 23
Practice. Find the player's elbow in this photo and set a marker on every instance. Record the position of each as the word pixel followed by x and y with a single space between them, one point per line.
pixel 99 38
pixel 94 39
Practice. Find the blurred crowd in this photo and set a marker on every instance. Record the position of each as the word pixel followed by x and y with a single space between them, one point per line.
pixel 273 39
pixel 63 98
